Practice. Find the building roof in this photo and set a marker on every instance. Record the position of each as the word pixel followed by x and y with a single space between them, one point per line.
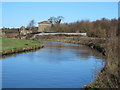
pixel 44 22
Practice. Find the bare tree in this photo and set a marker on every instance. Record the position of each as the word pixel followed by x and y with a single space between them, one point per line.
pixel 59 19
pixel 52 20
pixel 31 25
pixel 55 20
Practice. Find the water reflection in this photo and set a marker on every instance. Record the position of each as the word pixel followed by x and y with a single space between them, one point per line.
pixel 80 51
pixel 58 65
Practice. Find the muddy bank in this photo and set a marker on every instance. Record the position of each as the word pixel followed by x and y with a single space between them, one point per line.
pixel 109 75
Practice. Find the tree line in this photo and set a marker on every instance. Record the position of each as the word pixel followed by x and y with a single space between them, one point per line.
pixel 98 28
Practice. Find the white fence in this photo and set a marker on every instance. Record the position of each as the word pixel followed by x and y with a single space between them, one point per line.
pixel 83 34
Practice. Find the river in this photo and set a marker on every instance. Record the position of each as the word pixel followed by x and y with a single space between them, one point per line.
pixel 57 65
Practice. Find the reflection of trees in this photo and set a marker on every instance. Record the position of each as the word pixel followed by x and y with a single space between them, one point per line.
pixel 86 52
pixel 84 55
pixel 80 51
pixel 55 50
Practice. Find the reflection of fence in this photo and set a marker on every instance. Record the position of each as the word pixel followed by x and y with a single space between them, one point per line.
pixel 83 34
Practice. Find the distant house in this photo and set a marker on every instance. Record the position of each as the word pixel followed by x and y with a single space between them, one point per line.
pixel 44 26
pixel 23 31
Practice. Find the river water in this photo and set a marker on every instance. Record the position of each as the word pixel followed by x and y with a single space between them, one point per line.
pixel 57 65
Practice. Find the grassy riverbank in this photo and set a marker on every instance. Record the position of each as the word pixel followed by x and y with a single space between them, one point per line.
pixel 13 45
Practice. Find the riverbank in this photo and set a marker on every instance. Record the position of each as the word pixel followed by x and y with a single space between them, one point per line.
pixel 14 45
pixel 96 43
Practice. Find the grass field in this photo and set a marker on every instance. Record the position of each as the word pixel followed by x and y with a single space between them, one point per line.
pixel 13 43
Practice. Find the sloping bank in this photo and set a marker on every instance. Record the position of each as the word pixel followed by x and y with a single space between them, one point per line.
pixel 13 45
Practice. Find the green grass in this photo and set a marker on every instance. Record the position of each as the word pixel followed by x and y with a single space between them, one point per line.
pixel 13 43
